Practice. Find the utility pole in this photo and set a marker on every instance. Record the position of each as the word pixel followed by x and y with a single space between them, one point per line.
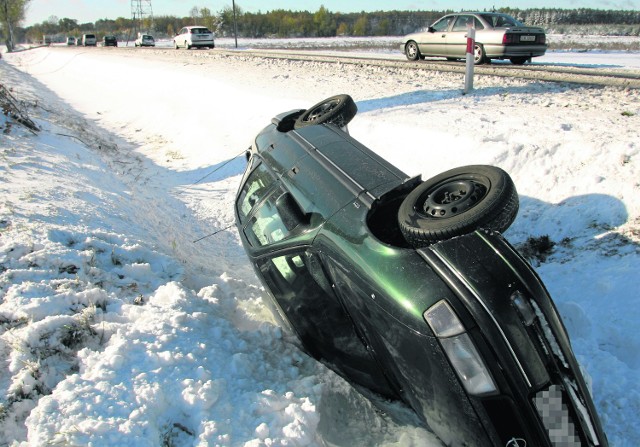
pixel 235 22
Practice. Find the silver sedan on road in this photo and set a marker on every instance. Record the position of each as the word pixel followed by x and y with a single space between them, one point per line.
pixel 498 36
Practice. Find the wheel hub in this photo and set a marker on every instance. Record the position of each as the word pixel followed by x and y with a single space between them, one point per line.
pixel 323 109
pixel 453 198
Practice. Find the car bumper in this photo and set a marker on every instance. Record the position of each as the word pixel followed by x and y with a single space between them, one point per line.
pixel 502 52
pixel 207 43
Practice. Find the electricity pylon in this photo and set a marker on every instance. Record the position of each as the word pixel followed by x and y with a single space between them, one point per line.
pixel 141 14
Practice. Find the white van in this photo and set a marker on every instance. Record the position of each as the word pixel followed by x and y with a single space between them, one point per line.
pixel 89 40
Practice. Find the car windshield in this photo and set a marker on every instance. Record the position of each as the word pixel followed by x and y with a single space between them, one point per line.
pixel 200 31
pixel 500 20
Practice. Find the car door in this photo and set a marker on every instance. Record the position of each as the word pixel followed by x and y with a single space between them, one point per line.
pixel 433 42
pixel 304 295
pixel 456 40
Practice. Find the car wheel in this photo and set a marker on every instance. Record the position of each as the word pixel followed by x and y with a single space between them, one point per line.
pixel 175 45
pixel 412 51
pixel 457 202
pixel 518 60
pixel 338 110
pixel 478 54
pixel 186 45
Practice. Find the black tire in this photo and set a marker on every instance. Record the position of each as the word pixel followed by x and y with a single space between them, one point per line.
pixel 478 54
pixel 338 110
pixel 518 60
pixel 412 51
pixel 457 202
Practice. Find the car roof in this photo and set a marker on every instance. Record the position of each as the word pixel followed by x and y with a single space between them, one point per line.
pixel 480 13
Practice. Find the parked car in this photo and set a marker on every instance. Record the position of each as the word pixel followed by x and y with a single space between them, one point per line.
pixel 71 40
pixel 407 288
pixel 194 36
pixel 145 40
pixel 498 36
pixel 109 41
pixel 89 40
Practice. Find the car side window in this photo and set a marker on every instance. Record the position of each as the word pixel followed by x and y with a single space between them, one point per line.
pixel 477 23
pixel 462 23
pixel 266 225
pixel 442 25
pixel 254 189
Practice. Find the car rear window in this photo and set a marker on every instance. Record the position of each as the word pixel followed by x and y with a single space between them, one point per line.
pixel 500 21
pixel 200 31
pixel 90 36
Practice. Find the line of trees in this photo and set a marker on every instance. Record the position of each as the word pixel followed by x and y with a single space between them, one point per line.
pixel 283 23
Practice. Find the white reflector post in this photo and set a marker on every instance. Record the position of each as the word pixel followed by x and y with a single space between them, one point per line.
pixel 471 43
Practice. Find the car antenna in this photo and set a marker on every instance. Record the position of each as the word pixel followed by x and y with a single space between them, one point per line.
pixel 219 167
pixel 214 233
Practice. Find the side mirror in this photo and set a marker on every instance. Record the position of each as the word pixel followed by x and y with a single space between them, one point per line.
pixel 431 30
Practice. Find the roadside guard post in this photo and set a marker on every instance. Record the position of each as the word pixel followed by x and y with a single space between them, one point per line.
pixel 471 40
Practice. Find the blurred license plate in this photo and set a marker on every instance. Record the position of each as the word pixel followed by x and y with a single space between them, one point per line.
pixel 527 38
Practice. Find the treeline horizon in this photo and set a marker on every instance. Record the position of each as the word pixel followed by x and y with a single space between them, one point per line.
pixel 322 23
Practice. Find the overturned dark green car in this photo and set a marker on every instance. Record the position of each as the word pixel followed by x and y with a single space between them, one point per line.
pixel 406 287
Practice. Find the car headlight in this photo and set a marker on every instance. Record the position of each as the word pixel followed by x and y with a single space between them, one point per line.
pixel 460 350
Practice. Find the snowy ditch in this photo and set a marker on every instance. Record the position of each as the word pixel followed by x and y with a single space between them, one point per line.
pixel 117 329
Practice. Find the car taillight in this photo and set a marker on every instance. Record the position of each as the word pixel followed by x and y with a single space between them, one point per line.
pixel 508 39
pixel 459 348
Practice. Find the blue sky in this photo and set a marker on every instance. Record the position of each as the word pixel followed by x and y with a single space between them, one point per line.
pixel 92 10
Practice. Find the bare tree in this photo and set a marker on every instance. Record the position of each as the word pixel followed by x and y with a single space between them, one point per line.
pixel 195 14
pixel 12 12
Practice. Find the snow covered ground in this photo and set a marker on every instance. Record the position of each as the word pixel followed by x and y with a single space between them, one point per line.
pixel 118 328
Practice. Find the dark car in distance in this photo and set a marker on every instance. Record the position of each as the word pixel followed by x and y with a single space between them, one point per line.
pixel 406 287
pixel 109 41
